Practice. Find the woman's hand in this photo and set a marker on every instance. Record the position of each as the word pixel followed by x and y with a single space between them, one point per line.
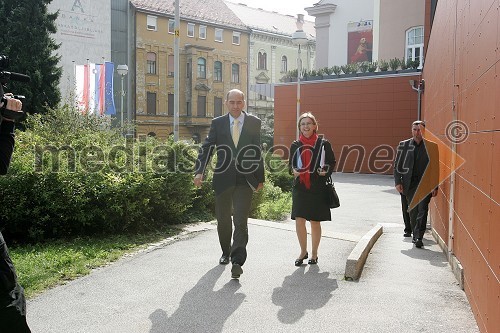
pixel 295 173
pixel 321 172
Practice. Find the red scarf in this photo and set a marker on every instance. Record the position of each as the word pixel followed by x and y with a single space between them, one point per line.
pixel 306 156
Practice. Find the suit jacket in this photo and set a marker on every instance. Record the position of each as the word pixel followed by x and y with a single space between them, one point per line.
pixel 317 181
pixel 403 164
pixel 245 159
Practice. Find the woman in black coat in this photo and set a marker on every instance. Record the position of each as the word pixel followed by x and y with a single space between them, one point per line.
pixel 311 162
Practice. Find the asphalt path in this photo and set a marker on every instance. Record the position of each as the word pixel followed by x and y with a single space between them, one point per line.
pixel 178 286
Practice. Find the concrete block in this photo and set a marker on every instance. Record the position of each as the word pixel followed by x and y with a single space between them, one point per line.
pixel 357 258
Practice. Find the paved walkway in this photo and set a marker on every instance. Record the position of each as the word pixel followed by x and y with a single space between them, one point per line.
pixel 177 286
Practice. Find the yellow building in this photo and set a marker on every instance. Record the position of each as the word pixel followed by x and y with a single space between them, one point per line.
pixel 213 59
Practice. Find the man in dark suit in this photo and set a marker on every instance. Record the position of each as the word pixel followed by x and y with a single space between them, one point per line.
pixel 12 300
pixel 416 177
pixel 238 172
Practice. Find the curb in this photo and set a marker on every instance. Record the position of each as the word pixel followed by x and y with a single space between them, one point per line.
pixel 357 258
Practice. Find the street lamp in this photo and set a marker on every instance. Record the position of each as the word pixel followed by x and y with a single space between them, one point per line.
pixel 122 70
pixel 299 38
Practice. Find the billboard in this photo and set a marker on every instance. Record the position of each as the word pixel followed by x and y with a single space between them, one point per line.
pixel 359 41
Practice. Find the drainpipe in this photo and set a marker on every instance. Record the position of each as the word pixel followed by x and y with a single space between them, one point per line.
pixel 419 89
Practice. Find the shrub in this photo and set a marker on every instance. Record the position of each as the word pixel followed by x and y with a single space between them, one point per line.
pixel 394 64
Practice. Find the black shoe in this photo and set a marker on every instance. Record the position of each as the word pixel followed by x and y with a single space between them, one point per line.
pixel 407 234
pixel 236 271
pixel 224 260
pixel 419 243
pixel 299 262
pixel 313 261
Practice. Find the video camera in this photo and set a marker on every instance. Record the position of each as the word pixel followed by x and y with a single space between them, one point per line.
pixel 6 77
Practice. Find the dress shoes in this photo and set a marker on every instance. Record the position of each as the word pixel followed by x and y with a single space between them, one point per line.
pixel 224 260
pixel 419 243
pixel 236 271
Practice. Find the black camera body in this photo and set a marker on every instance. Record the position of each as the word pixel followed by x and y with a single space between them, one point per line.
pixel 6 77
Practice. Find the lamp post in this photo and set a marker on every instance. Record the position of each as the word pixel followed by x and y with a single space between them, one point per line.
pixel 122 70
pixel 299 38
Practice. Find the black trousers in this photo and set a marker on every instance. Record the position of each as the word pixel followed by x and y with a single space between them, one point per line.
pixel 418 215
pixel 235 200
pixel 12 301
pixel 406 215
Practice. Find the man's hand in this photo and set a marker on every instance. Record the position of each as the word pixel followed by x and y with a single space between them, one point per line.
pixel 198 180
pixel 259 187
pixel 434 192
pixel 12 104
pixel 399 188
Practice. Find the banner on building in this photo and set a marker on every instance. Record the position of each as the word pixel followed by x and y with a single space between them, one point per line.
pixel 94 88
pixel 359 41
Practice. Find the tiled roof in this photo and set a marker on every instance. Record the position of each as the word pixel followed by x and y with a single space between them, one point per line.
pixel 209 11
pixel 273 22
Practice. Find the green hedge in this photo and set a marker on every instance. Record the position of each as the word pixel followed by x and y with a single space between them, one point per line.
pixel 73 175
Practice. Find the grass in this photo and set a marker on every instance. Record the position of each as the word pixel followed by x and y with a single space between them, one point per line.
pixel 43 266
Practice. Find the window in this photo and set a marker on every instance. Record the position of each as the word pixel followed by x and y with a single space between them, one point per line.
pixel 202 68
pixel 236 38
pixel 171 65
pixel 415 44
pixel 190 29
pixel 202 32
pixel 218 35
pixel 284 64
pixel 151 103
pixel 151 22
pixel 171 26
pixel 151 63
pixel 170 104
pixel 262 60
pixel 235 73
pixel 217 106
pixel 218 71
pixel 202 106
pixel 188 108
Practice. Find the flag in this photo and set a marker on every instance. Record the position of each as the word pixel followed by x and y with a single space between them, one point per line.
pixel 109 100
pixel 94 88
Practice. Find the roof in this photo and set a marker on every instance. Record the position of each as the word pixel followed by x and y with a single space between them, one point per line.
pixel 272 22
pixel 209 11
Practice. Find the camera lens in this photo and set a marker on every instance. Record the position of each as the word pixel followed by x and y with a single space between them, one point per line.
pixel 4 61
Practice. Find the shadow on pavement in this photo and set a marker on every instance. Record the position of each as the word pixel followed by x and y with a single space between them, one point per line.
pixel 301 291
pixel 201 309
pixel 435 258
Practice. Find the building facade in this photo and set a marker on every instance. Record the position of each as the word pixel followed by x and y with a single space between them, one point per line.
pixel 398 30
pixel 272 53
pixel 461 108
pixel 84 32
pixel 213 59
pixel 338 22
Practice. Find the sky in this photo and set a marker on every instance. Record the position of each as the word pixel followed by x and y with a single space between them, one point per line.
pixel 291 7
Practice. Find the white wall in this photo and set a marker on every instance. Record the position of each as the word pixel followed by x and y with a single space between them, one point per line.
pixel 346 11
pixel 84 31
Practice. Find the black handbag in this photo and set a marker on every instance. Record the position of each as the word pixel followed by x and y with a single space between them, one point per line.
pixel 332 196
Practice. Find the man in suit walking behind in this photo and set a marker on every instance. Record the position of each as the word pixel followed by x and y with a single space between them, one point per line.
pixel 416 176
pixel 238 172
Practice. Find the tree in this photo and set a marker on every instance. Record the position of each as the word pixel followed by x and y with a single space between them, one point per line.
pixel 267 131
pixel 25 37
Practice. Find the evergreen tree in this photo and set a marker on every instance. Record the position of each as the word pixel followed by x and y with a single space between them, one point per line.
pixel 25 37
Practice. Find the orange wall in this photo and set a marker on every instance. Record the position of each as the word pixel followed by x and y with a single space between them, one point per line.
pixel 462 79
pixel 370 113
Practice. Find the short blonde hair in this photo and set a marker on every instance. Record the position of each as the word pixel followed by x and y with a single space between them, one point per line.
pixel 307 115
